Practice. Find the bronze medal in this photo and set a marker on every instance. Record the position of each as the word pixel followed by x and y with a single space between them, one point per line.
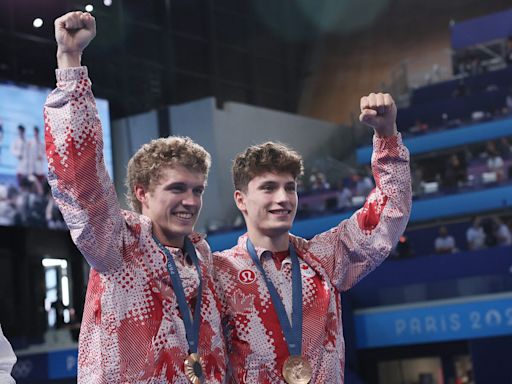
pixel 297 370
pixel 194 368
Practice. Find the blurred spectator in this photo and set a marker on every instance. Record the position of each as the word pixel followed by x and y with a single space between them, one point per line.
pixel 344 195
pixel 403 248
pixel 489 227
pixel 475 235
pixel 504 148
pixel 319 182
pixel 300 186
pixel 419 127
pixel 417 180
pixel 496 164
pixel 454 174
pixel 19 149
pixel 7 208
pixel 444 243
pixel 312 178
pixel 54 219
pixel 36 156
pixel 58 307
pixel 501 232
pixel 490 147
pixel 363 184
pixel 31 203
pixel 508 103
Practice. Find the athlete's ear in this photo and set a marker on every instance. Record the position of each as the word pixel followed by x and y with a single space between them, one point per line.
pixel 240 197
pixel 140 194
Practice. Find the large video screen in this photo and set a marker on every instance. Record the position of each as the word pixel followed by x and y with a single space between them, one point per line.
pixel 25 198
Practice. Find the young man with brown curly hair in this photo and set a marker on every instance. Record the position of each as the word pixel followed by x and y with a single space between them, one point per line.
pixel 281 293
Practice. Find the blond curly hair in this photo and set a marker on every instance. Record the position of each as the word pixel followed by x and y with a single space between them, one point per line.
pixel 147 164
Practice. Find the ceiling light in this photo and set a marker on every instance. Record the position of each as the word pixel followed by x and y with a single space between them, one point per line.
pixel 37 23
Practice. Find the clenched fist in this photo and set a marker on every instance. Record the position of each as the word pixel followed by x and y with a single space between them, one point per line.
pixel 378 110
pixel 73 32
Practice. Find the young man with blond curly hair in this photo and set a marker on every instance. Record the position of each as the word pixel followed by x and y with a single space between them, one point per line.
pixel 151 312
pixel 281 293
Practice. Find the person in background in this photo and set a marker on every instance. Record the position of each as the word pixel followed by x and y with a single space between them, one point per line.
pixel 343 196
pixel 504 148
pixel 403 249
pixel 475 235
pixel 501 232
pixel 8 211
pixel 496 164
pixel 454 174
pixel 7 360
pixel 444 243
pixel 363 183
pixel 19 149
pixel 36 156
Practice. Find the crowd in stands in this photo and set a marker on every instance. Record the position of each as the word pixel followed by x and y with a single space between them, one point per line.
pixel 458 170
pixel 318 195
pixel 481 90
pixel 464 168
pixel 29 204
pixel 472 235
pixel 25 200
pixel 479 115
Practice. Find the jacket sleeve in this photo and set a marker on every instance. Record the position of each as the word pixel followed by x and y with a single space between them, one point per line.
pixel 7 360
pixel 359 244
pixel 77 173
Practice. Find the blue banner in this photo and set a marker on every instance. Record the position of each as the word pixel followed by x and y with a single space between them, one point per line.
pixel 62 364
pixel 32 367
pixel 439 321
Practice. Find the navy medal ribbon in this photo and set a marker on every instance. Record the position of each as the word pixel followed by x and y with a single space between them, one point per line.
pixel 191 326
pixel 292 332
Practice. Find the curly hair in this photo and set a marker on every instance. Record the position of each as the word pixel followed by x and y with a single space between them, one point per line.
pixel 266 157
pixel 147 164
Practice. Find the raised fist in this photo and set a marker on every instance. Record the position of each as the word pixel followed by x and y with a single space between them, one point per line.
pixel 378 110
pixel 73 32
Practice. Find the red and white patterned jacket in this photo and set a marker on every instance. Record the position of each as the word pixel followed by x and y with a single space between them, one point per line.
pixel 131 329
pixel 331 262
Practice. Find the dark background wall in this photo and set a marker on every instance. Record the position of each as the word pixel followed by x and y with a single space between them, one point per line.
pixel 366 53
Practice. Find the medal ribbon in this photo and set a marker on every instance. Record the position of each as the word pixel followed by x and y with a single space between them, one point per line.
pixel 191 327
pixel 292 332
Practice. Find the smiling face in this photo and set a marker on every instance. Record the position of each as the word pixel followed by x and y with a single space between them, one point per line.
pixel 269 205
pixel 173 204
